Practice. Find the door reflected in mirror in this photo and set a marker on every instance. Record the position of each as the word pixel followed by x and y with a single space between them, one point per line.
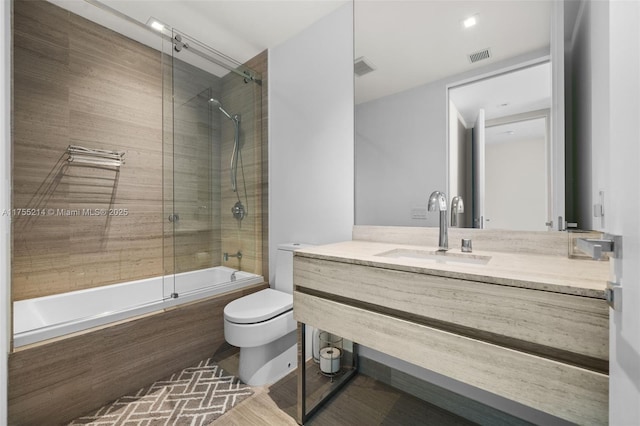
pixel 499 149
pixel 516 193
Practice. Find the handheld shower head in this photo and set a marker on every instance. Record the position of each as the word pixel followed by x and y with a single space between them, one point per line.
pixel 218 104
pixel 236 144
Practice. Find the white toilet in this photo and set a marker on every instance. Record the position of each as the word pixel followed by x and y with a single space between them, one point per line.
pixel 262 326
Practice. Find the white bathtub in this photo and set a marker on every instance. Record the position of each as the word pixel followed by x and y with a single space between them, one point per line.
pixel 46 317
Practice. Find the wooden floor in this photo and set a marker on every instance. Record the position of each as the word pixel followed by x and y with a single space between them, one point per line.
pixel 363 401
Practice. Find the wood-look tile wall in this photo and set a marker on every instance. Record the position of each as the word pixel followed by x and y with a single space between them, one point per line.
pixel 250 101
pixel 53 383
pixel 76 82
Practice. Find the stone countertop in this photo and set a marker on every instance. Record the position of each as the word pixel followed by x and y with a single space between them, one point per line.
pixel 534 271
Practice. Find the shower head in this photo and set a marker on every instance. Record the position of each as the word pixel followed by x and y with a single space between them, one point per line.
pixel 218 104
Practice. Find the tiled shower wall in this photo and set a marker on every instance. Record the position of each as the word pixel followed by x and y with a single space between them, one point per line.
pixel 248 100
pixel 76 82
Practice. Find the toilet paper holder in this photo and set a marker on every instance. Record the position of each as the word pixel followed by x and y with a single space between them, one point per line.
pixel 331 351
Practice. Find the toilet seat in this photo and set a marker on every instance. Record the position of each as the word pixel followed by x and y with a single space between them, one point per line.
pixel 258 307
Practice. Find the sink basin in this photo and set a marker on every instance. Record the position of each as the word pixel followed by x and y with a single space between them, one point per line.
pixel 436 256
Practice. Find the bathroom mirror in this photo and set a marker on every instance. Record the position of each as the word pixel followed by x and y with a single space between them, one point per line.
pixel 499 149
pixel 409 57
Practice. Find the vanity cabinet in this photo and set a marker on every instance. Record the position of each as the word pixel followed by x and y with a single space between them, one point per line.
pixel 542 348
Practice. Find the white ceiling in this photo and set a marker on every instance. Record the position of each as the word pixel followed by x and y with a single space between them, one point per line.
pixel 416 42
pixel 524 90
pixel 239 29
pixel 516 132
pixel 412 42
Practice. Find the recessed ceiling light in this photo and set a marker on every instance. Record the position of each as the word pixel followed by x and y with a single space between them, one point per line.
pixel 470 21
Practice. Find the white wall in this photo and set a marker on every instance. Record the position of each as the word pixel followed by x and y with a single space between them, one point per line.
pixel 605 58
pixel 623 146
pixel 5 202
pixel 311 135
pixel 401 149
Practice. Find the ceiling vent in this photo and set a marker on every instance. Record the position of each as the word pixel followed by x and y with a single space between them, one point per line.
pixel 480 55
pixel 362 66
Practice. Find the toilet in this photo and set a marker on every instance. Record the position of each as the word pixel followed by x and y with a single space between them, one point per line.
pixel 262 326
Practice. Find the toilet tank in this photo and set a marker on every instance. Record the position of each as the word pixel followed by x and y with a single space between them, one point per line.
pixel 284 266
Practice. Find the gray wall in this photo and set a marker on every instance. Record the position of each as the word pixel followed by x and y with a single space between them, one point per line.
pixel 401 151
pixel 400 156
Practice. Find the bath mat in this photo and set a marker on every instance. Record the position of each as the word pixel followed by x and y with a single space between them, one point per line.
pixel 195 396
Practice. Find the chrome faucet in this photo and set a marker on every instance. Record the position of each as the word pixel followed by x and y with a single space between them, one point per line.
pixel 457 207
pixel 438 202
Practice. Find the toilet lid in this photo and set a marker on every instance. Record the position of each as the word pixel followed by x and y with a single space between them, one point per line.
pixel 257 307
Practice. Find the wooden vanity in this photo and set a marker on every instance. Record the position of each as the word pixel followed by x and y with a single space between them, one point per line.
pixel 529 327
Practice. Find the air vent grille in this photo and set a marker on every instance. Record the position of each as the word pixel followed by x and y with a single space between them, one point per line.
pixel 362 66
pixel 479 56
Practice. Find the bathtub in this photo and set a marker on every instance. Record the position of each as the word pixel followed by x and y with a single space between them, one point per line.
pixel 43 318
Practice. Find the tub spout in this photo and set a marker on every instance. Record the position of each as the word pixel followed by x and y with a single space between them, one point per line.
pixel 226 255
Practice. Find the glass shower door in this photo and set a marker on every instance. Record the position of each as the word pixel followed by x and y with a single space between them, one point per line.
pixel 211 118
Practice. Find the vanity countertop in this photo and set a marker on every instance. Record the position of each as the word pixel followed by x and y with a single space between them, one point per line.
pixel 539 272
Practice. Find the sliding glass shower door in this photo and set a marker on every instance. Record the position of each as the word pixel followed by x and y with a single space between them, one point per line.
pixel 212 172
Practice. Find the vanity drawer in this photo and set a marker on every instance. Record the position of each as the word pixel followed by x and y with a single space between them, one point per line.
pixel 568 328
pixel 571 393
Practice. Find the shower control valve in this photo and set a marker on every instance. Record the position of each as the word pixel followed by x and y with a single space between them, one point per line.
pixel 238 211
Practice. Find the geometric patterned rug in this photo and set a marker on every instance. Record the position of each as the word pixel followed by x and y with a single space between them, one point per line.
pixel 195 396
